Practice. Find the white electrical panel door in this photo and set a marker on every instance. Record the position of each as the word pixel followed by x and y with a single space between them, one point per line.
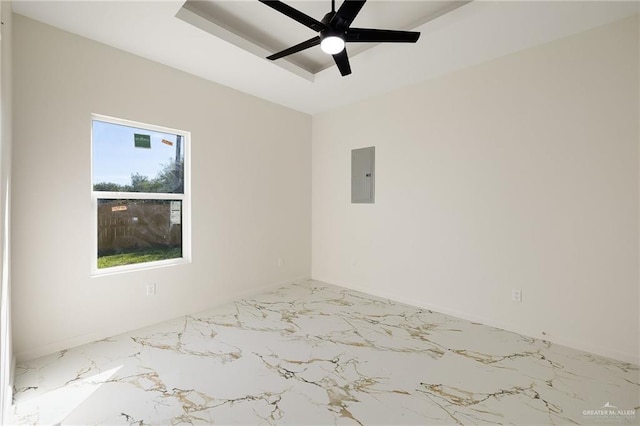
pixel 363 175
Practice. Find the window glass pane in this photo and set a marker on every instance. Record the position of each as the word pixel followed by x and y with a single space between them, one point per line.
pixel 137 231
pixel 130 159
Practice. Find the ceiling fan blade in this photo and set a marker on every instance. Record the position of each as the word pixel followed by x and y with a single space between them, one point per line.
pixel 295 14
pixel 370 35
pixel 297 48
pixel 347 13
pixel 342 61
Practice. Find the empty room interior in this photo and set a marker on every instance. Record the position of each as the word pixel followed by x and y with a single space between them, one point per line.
pixel 319 212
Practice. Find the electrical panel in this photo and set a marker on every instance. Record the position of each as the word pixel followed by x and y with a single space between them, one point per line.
pixel 363 175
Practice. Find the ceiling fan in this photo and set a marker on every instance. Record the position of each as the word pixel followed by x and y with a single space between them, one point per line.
pixel 335 30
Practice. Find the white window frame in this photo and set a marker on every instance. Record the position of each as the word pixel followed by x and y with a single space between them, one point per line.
pixel 185 198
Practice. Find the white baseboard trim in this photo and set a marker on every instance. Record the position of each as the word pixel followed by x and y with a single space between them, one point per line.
pixel 492 322
pixel 73 342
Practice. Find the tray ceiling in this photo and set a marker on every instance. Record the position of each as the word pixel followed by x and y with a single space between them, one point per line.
pixel 262 31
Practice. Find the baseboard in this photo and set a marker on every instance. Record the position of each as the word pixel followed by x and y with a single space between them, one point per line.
pixel 492 322
pixel 76 341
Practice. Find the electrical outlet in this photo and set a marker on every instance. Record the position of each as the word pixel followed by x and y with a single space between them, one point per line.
pixel 151 289
pixel 516 295
pixel 280 262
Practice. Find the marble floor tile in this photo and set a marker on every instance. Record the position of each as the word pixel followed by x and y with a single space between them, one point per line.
pixel 313 353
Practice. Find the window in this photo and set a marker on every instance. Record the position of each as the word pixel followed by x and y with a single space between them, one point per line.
pixel 140 187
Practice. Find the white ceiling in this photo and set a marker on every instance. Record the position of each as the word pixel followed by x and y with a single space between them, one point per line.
pixel 473 33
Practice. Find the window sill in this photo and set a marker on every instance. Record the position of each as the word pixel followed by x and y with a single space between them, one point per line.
pixel 114 270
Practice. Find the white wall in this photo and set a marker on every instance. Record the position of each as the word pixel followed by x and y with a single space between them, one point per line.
pixel 6 347
pixel 250 190
pixel 518 173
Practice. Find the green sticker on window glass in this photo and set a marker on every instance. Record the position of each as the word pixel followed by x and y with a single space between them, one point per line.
pixel 141 141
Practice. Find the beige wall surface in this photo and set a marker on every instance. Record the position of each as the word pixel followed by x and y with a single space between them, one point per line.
pixel 520 173
pixel 251 183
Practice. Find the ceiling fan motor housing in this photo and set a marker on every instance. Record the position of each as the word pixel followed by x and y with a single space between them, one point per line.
pixel 335 30
pixel 338 21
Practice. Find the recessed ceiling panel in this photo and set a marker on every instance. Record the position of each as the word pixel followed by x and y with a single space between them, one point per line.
pixel 261 30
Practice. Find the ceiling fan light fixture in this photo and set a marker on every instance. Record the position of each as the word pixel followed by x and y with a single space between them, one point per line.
pixel 332 44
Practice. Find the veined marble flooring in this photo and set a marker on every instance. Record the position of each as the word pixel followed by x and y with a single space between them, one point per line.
pixel 312 353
